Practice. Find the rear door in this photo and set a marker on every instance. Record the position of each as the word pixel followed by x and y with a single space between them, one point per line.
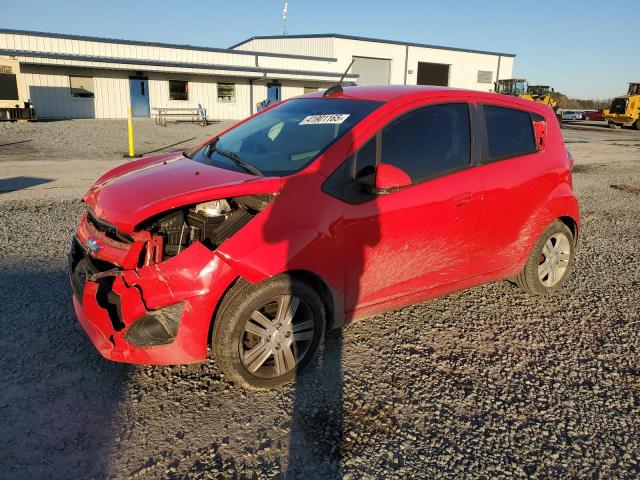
pixel 517 179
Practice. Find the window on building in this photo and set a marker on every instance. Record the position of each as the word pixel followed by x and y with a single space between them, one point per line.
pixel 226 92
pixel 310 90
pixel 81 87
pixel 509 132
pixel 485 76
pixel 178 90
pixel 429 141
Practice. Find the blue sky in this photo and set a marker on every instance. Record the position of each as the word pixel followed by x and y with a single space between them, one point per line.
pixel 584 48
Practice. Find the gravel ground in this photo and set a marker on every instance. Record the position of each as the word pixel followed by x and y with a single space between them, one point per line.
pixel 484 383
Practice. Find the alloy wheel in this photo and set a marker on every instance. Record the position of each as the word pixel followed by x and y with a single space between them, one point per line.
pixel 277 336
pixel 554 259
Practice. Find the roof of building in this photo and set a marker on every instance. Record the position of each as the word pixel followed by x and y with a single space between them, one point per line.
pixel 368 39
pixel 159 44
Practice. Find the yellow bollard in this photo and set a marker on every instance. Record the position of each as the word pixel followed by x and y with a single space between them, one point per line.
pixel 132 153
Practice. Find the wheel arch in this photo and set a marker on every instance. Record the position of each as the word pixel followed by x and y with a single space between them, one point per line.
pixel 334 312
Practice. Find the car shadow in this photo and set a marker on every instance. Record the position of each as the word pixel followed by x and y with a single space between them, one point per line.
pixel 20 183
pixel 58 397
pixel 317 423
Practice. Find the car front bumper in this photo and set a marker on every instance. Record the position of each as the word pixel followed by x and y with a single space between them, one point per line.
pixel 109 301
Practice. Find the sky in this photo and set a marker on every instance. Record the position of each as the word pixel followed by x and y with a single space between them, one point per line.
pixel 583 48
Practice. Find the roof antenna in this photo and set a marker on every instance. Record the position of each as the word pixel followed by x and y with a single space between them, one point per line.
pixel 337 88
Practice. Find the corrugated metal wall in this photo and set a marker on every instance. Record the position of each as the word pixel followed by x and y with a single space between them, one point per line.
pixel 316 47
pixel 48 89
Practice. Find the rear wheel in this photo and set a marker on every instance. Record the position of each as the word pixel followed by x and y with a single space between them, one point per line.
pixel 266 334
pixel 550 262
pixel 637 124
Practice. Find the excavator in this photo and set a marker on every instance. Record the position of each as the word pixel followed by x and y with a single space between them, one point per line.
pixel 625 110
pixel 518 87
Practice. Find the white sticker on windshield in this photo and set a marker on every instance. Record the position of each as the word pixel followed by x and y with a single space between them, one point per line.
pixel 330 118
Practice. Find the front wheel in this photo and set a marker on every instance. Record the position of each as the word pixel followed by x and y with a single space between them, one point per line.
pixel 637 124
pixel 266 334
pixel 550 262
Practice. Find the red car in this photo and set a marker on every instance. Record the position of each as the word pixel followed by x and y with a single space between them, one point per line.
pixel 317 211
pixel 593 115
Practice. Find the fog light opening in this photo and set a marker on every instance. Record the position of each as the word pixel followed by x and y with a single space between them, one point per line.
pixel 157 327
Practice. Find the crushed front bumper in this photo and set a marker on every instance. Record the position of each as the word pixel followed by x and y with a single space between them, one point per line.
pixel 109 300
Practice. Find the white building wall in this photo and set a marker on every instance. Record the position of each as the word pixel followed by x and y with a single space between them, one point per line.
pixel 315 47
pixel 463 71
pixel 347 49
pixel 50 93
pixel 204 91
pixel 463 66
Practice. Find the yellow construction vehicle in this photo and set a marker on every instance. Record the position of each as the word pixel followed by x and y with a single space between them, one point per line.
pixel 518 87
pixel 625 110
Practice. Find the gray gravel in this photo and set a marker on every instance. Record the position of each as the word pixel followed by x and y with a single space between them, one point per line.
pixel 485 383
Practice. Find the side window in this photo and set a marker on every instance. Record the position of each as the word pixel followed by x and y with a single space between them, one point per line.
pixel 509 132
pixel 428 141
pixel 364 165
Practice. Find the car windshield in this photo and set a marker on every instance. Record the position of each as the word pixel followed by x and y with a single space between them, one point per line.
pixel 287 138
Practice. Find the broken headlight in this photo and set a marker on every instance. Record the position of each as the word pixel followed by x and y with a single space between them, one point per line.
pixel 210 223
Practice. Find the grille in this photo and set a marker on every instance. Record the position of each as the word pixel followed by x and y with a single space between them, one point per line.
pixel 108 229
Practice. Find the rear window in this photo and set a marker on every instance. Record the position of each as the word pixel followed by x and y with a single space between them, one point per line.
pixel 509 132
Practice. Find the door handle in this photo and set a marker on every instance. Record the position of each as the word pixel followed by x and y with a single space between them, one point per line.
pixel 461 200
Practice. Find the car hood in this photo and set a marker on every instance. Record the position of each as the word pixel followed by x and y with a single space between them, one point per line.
pixel 136 191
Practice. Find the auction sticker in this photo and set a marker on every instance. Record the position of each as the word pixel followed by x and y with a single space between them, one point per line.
pixel 330 118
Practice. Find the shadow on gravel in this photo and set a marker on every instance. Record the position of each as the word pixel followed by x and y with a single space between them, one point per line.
pixel 20 183
pixel 316 434
pixel 58 397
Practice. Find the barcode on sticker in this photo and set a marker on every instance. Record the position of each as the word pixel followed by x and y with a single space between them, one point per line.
pixel 330 118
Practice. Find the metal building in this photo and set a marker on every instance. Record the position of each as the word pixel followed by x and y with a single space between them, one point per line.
pixel 69 76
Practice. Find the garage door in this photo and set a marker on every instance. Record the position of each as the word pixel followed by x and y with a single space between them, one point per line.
pixel 372 71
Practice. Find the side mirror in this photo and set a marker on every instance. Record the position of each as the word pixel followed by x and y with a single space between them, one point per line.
pixel 390 178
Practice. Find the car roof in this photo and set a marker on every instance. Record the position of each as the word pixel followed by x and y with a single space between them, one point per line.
pixel 386 93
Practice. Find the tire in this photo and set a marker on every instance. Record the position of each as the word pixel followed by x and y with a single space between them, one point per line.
pixel 252 318
pixel 587 118
pixel 532 279
pixel 636 125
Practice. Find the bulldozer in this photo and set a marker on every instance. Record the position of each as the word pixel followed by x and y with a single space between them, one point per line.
pixel 518 87
pixel 625 110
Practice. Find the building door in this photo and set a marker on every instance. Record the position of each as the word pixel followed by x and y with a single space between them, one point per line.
pixel 372 71
pixel 433 74
pixel 139 88
pixel 273 93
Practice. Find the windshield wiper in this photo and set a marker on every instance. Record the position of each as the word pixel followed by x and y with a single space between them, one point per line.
pixel 237 160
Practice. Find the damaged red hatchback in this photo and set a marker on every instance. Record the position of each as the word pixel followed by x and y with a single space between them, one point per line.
pixel 316 211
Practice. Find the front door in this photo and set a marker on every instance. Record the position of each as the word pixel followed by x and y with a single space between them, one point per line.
pixel 139 88
pixel 423 235
pixel 273 93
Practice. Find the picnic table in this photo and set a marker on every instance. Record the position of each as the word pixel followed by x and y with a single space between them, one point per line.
pixel 195 114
